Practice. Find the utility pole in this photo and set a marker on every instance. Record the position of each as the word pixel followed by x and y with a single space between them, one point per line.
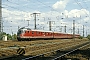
pixel 71 30
pixel 86 31
pixel 74 29
pixel 83 30
pixel 78 30
pixel 18 27
pixel 65 28
pixel 28 22
pixel 35 15
pixel 0 16
pixel 1 23
pixel 50 25
pixel 62 28
pixel 59 28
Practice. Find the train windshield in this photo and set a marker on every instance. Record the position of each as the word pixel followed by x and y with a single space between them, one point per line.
pixel 21 31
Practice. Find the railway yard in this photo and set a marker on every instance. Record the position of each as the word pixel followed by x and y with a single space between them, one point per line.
pixel 45 49
pixel 44 30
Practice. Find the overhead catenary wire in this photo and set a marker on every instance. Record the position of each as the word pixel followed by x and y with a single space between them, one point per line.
pixel 27 7
pixel 84 2
pixel 18 4
pixel 48 6
pixel 12 2
pixel 13 7
pixel 82 7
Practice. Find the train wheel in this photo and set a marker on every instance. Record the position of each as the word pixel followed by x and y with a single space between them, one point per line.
pixel 19 39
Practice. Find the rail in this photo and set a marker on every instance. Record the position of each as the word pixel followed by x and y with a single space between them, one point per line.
pixel 59 55
pixel 37 57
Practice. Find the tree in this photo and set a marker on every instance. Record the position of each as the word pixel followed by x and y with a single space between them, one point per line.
pixel 88 37
pixel 80 37
pixel 14 37
pixel 1 35
pixel 9 37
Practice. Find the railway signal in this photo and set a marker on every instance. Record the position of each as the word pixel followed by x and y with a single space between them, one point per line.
pixel 21 51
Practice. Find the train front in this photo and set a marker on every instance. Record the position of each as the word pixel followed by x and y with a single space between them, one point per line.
pixel 20 34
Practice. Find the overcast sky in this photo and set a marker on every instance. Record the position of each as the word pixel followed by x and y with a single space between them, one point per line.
pixel 61 12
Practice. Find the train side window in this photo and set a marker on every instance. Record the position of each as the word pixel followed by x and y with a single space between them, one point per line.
pixel 37 32
pixel 56 34
pixel 43 33
pixel 46 33
pixel 32 32
pixel 28 31
pixel 51 33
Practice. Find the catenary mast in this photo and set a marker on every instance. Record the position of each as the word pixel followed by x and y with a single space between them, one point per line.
pixel 0 16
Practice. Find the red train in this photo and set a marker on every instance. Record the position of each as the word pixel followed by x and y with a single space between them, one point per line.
pixel 28 34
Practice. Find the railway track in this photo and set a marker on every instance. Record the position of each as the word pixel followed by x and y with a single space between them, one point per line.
pixel 57 54
pixel 82 53
pixel 62 57
pixel 53 55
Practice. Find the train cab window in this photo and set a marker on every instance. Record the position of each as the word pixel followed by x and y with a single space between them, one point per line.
pixel 25 31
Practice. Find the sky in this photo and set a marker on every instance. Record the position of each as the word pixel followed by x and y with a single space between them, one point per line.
pixel 61 13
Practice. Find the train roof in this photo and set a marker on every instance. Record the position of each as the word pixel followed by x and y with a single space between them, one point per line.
pixel 45 31
pixel 48 31
pixel 42 30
